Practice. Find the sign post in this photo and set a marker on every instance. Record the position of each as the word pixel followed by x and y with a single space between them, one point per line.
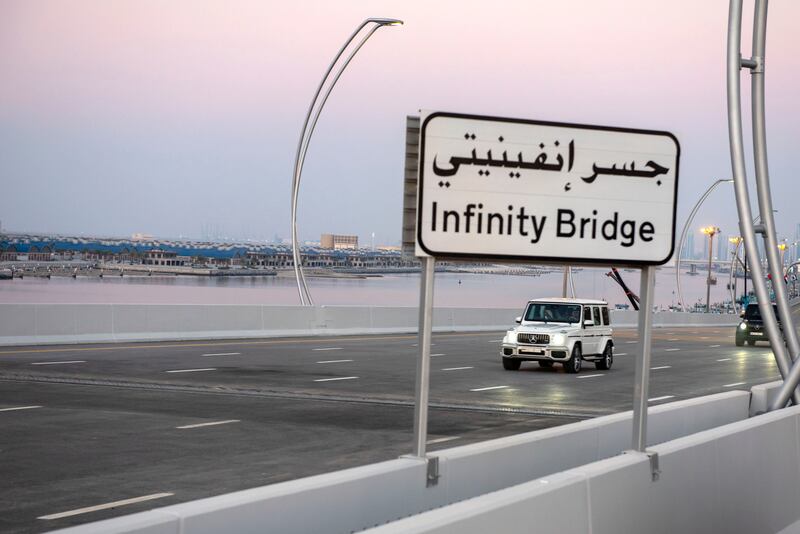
pixel 511 190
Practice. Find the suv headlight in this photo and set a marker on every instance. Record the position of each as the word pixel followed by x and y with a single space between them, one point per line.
pixel 743 326
pixel 558 339
pixel 511 337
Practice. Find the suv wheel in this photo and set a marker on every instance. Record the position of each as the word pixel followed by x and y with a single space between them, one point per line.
pixel 739 341
pixel 510 364
pixel 573 365
pixel 605 363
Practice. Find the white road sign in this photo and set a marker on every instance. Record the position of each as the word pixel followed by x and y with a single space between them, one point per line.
pixel 509 189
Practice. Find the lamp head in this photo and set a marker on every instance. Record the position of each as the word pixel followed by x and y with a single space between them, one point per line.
pixel 385 22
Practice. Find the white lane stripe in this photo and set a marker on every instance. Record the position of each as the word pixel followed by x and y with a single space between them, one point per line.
pixel 490 387
pixel 674 339
pixel 224 354
pixel 209 424
pixel 191 370
pixel 18 408
pixel 671 350
pixel 631 342
pixel 620 354
pixel 495 340
pixel 338 378
pixel 441 354
pixel 664 397
pixel 714 346
pixel 58 363
pixel 335 361
pixel 661 367
pixel 734 384
pixel 591 376
pixel 329 348
pixel 724 360
pixel 106 506
pixel 442 440
pixel 456 368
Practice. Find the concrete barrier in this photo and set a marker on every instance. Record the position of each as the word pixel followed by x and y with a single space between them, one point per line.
pixel 740 478
pixel 355 499
pixel 34 324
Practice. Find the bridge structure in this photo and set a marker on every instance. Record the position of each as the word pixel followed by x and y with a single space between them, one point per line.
pixel 726 461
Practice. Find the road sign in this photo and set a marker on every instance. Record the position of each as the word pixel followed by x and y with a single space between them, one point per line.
pixel 520 190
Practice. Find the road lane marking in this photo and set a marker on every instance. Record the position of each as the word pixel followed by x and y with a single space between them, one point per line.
pixel 664 397
pixel 191 370
pixel 724 360
pixel 441 440
pixel 105 506
pixel 239 343
pixel 440 354
pixel 335 361
pixel 18 408
pixel 703 337
pixel 714 346
pixel 674 339
pixel 734 384
pixel 58 363
pixel 631 342
pixel 670 333
pixel 214 423
pixel 329 348
pixel 338 378
pixel 661 367
pixel 495 340
pixel 223 354
pixel 591 376
pixel 490 387
pixel 671 350
pixel 620 354
pixel 456 368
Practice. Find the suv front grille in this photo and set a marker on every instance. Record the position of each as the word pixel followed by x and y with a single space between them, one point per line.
pixel 535 339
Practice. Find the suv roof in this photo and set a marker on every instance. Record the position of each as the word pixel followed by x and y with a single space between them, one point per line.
pixel 562 300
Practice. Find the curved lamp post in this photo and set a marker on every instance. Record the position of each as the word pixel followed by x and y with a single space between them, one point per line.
pixel 312 116
pixel 683 237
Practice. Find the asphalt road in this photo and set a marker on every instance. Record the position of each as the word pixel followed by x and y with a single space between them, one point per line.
pixel 93 424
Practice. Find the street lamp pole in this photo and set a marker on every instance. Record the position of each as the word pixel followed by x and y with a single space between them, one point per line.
pixel 683 237
pixel 710 231
pixel 305 137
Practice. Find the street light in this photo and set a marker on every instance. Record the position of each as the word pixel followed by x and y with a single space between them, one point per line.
pixel 710 231
pixel 683 237
pixel 305 138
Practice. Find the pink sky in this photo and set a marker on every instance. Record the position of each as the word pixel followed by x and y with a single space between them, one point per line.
pixel 197 92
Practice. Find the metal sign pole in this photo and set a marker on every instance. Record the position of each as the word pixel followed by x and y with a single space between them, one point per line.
pixel 642 380
pixel 424 361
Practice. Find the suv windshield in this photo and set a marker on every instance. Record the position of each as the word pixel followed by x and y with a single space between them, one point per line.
pixel 752 313
pixel 553 313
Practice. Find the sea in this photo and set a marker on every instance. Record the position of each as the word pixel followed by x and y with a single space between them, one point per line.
pixel 450 289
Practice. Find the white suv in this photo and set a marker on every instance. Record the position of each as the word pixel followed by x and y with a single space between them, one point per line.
pixel 561 330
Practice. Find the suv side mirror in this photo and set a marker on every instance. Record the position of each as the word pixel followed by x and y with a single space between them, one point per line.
pixel 518 320
pixel 588 323
pixel 741 313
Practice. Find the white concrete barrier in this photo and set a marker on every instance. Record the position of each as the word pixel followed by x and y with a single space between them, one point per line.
pixel 740 478
pixel 34 324
pixel 355 499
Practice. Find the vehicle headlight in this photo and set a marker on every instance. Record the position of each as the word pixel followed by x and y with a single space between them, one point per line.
pixel 510 337
pixel 558 339
pixel 743 326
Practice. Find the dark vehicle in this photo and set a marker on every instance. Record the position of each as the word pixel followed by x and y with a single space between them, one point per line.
pixel 751 329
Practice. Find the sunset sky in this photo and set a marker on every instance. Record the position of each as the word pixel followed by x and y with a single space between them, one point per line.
pixel 173 118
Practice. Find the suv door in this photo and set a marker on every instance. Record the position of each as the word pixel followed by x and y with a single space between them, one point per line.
pixel 587 341
pixel 597 330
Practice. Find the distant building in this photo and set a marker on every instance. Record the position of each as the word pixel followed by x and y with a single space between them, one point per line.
pixel 339 242
pixel 142 237
pixel 163 257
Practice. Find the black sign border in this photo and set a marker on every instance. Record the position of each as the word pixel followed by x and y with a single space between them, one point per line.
pixel 539 259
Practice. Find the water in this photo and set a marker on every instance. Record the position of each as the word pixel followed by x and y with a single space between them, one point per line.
pixel 451 289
